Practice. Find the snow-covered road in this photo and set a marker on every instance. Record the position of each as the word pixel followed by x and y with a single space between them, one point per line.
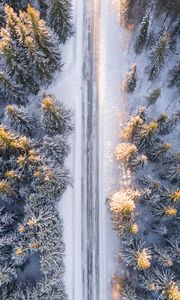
pixel 90 84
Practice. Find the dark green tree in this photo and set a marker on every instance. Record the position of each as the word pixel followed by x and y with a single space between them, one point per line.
pixel 55 118
pixel 142 34
pixel 59 17
pixel 47 53
pixel 175 76
pixel 153 96
pixel 130 82
pixel 19 119
pixel 158 55
pixel 10 90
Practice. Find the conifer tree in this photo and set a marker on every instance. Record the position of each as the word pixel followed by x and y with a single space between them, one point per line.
pixel 175 76
pixel 147 134
pixel 132 128
pixel 125 11
pixel 49 57
pixel 158 55
pixel 55 118
pixel 137 255
pixel 14 52
pixel 2 14
pixel 158 151
pixel 130 82
pixel 142 34
pixel 55 149
pixel 125 152
pixel 165 282
pixel 59 17
pixel 19 4
pixel 9 90
pixel 19 119
pixel 153 96
pixel 123 202
pixel 129 292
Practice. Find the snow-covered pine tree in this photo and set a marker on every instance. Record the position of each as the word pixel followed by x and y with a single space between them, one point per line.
pixel 136 255
pixel 164 258
pixel 48 58
pixel 19 119
pixel 170 6
pixel 55 118
pixel 123 202
pixel 19 4
pixel 146 134
pixel 130 82
pixel 158 151
pixel 2 14
pixel 174 246
pixel 129 292
pixel 142 33
pixel 10 91
pixel 50 183
pixel 168 195
pixel 125 11
pixel 165 211
pixel 158 55
pixel 8 274
pixel 59 18
pixel 175 76
pixel 153 96
pixel 165 282
pixel 14 53
pixel 171 172
pixel 137 163
pixel 130 130
pixel 55 149
pixel 125 153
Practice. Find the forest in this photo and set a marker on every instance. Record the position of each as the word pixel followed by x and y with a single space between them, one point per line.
pixel 34 134
pixel 145 210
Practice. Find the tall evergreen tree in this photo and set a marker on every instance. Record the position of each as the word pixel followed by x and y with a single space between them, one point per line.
pixel 56 119
pixel 142 34
pixel 19 4
pixel 175 76
pixel 9 90
pixel 158 55
pixel 153 96
pixel 2 14
pixel 19 119
pixel 48 57
pixel 130 82
pixel 59 17
pixel 30 51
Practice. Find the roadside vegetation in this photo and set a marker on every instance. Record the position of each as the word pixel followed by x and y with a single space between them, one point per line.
pixel 145 212
pixel 34 132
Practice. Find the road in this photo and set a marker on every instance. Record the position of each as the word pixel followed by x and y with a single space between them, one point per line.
pixel 90 157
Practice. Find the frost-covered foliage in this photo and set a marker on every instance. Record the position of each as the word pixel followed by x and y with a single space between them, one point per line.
pixel 175 76
pixel 158 55
pixel 30 186
pixel 55 118
pixel 20 119
pixel 145 209
pixel 26 33
pixel 125 11
pixel 142 34
pixel 129 84
pixel 153 96
pixel 59 18
pixel 32 173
